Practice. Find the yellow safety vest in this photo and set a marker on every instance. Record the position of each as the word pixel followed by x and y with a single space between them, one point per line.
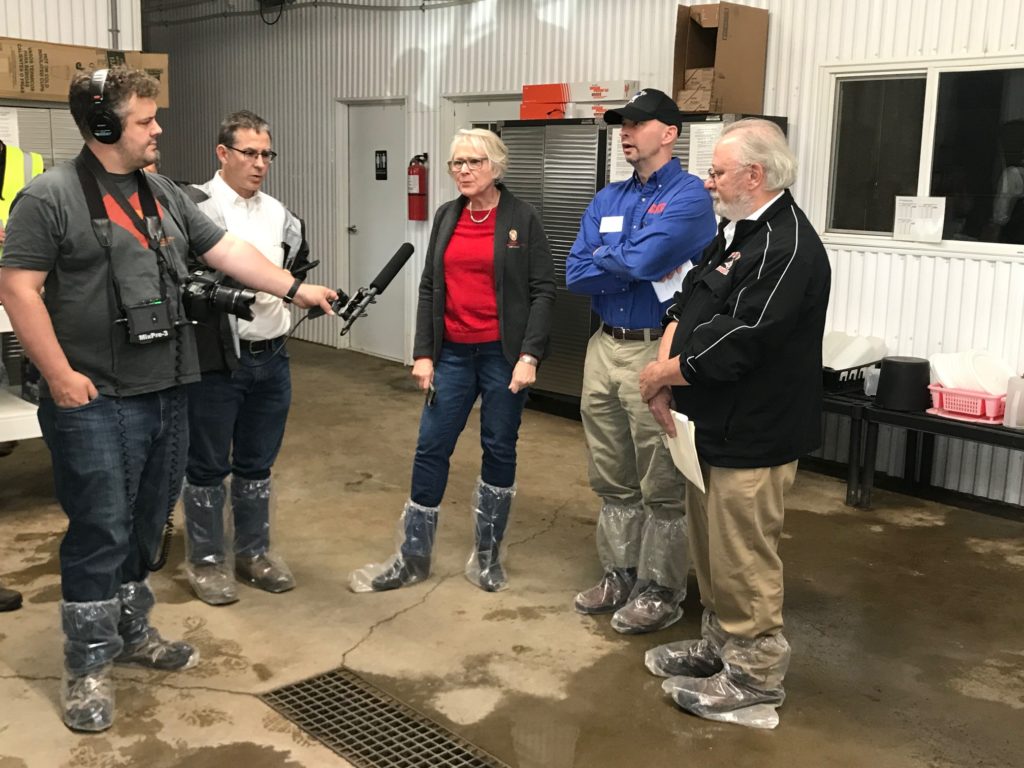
pixel 18 169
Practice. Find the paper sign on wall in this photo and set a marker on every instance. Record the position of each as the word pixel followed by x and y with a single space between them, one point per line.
pixel 919 218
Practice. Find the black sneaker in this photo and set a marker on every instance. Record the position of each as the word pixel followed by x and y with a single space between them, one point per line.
pixel 10 600
pixel 404 571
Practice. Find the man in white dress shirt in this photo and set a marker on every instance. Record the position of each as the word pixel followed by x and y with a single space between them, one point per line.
pixel 237 413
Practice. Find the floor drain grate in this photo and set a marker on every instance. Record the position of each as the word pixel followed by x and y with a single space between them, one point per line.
pixel 371 729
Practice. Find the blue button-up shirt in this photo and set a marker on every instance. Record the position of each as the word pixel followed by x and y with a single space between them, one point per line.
pixel 664 224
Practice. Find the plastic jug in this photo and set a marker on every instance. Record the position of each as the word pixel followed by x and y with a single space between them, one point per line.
pixel 1014 416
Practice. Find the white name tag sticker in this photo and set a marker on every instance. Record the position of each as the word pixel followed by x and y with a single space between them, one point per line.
pixel 611 223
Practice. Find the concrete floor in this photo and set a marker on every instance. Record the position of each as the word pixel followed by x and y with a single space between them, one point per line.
pixel 904 621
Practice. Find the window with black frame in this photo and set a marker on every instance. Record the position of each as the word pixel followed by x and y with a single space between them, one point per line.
pixel 876 151
pixel 977 155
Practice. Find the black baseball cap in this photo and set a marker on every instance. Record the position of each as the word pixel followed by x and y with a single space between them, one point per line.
pixel 648 104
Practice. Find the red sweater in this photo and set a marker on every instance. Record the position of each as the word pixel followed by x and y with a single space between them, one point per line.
pixel 471 305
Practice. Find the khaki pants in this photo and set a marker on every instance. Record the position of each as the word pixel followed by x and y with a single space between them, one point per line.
pixel 629 464
pixel 734 540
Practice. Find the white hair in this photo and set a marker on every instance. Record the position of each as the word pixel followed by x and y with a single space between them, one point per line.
pixel 484 142
pixel 763 142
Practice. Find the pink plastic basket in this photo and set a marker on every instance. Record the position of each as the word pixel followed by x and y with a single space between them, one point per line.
pixel 968 402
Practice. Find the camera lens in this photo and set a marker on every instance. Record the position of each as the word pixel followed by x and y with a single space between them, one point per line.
pixel 234 301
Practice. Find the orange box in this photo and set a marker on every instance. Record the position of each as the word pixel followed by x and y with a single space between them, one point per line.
pixel 540 110
pixel 591 90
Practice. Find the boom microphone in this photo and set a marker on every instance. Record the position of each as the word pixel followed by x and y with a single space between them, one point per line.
pixel 364 297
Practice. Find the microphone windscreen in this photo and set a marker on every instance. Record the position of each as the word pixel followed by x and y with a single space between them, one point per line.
pixel 392 268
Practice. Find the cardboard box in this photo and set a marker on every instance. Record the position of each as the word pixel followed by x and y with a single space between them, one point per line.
pixel 696 95
pixel 540 110
pixel 589 91
pixel 595 111
pixel 731 41
pixel 41 71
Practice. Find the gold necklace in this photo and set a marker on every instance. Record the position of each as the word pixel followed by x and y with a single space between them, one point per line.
pixel 479 221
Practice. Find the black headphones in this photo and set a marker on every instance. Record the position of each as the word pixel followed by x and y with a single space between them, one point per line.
pixel 102 121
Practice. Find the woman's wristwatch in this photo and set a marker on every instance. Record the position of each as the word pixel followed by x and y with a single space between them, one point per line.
pixel 529 359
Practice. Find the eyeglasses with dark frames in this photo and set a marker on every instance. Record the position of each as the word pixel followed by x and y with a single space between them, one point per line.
pixel 268 155
pixel 473 163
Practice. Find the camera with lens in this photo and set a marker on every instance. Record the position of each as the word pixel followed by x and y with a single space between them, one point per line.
pixel 205 295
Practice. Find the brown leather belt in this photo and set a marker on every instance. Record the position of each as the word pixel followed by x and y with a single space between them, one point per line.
pixel 632 334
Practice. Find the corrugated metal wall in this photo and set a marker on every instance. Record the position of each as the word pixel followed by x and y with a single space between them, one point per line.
pixel 294 71
pixel 73 22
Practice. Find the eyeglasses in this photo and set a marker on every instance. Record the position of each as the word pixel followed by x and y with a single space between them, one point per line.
pixel 715 175
pixel 268 156
pixel 473 163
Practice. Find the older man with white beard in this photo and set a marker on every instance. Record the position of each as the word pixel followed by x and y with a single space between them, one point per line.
pixel 741 356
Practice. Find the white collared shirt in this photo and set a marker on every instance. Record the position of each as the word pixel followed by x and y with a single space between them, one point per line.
pixel 730 228
pixel 258 220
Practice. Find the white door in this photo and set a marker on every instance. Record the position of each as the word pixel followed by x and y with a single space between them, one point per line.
pixel 376 223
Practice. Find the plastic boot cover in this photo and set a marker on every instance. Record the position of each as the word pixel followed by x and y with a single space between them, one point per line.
pixel 656 600
pixel 748 689
pixel 650 608
pixel 255 563
pixel 609 594
pixel 619 533
pixel 690 658
pixel 411 563
pixel 142 643
pixel 209 567
pixel 491 506
pixel 91 642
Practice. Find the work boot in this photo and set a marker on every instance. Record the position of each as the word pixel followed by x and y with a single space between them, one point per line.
pixel 653 607
pixel 411 564
pixel 91 642
pixel 143 645
pixel 491 506
pixel 609 594
pixel 206 563
pixel 10 599
pixel 255 563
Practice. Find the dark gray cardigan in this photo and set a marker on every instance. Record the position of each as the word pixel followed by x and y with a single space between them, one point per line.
pixel 524 280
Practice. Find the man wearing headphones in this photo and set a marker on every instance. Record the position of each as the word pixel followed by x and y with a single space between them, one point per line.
pixel 115 349
pixel 237 413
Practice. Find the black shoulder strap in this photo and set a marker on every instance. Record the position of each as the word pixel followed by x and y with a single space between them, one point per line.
pixel 150 228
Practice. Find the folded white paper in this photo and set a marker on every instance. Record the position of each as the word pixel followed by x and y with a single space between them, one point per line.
pixel 683 448
pixel 666 289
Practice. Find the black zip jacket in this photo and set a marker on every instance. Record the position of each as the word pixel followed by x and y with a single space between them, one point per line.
pixel 751 319
pixel 524 280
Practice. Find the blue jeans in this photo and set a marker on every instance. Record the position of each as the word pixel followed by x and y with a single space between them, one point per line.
pixel 463 372
pixel 237 418
pixel 117 467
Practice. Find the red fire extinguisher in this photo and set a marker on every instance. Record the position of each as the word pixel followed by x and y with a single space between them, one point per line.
pixel 417 180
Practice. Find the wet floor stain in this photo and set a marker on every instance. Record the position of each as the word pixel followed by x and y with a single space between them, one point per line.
pixel 274 722
pixel 1012 551
pixel 206 717
pixel 25 576
pixel 218 656
pixel 12 762
pixel 154 753
pixel 468 705
pixel 50 594
pixel 263 672
pixel 526 613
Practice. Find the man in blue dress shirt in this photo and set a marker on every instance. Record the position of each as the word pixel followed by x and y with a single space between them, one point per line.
pixel 636 239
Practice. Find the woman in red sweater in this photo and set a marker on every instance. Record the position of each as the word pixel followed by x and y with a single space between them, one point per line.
pixel 481 331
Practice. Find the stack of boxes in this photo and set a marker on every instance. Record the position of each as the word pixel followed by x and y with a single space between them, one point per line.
pixel 720 56
pixel 38 71
pixel 555 101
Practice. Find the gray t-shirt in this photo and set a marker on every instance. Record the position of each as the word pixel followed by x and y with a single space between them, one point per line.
pixel 50 230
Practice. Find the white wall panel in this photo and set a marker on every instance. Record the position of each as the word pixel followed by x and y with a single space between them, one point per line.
pixel 293 73
pixel 72 22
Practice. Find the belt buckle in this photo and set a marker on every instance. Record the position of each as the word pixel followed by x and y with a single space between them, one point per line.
pixel 258 347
